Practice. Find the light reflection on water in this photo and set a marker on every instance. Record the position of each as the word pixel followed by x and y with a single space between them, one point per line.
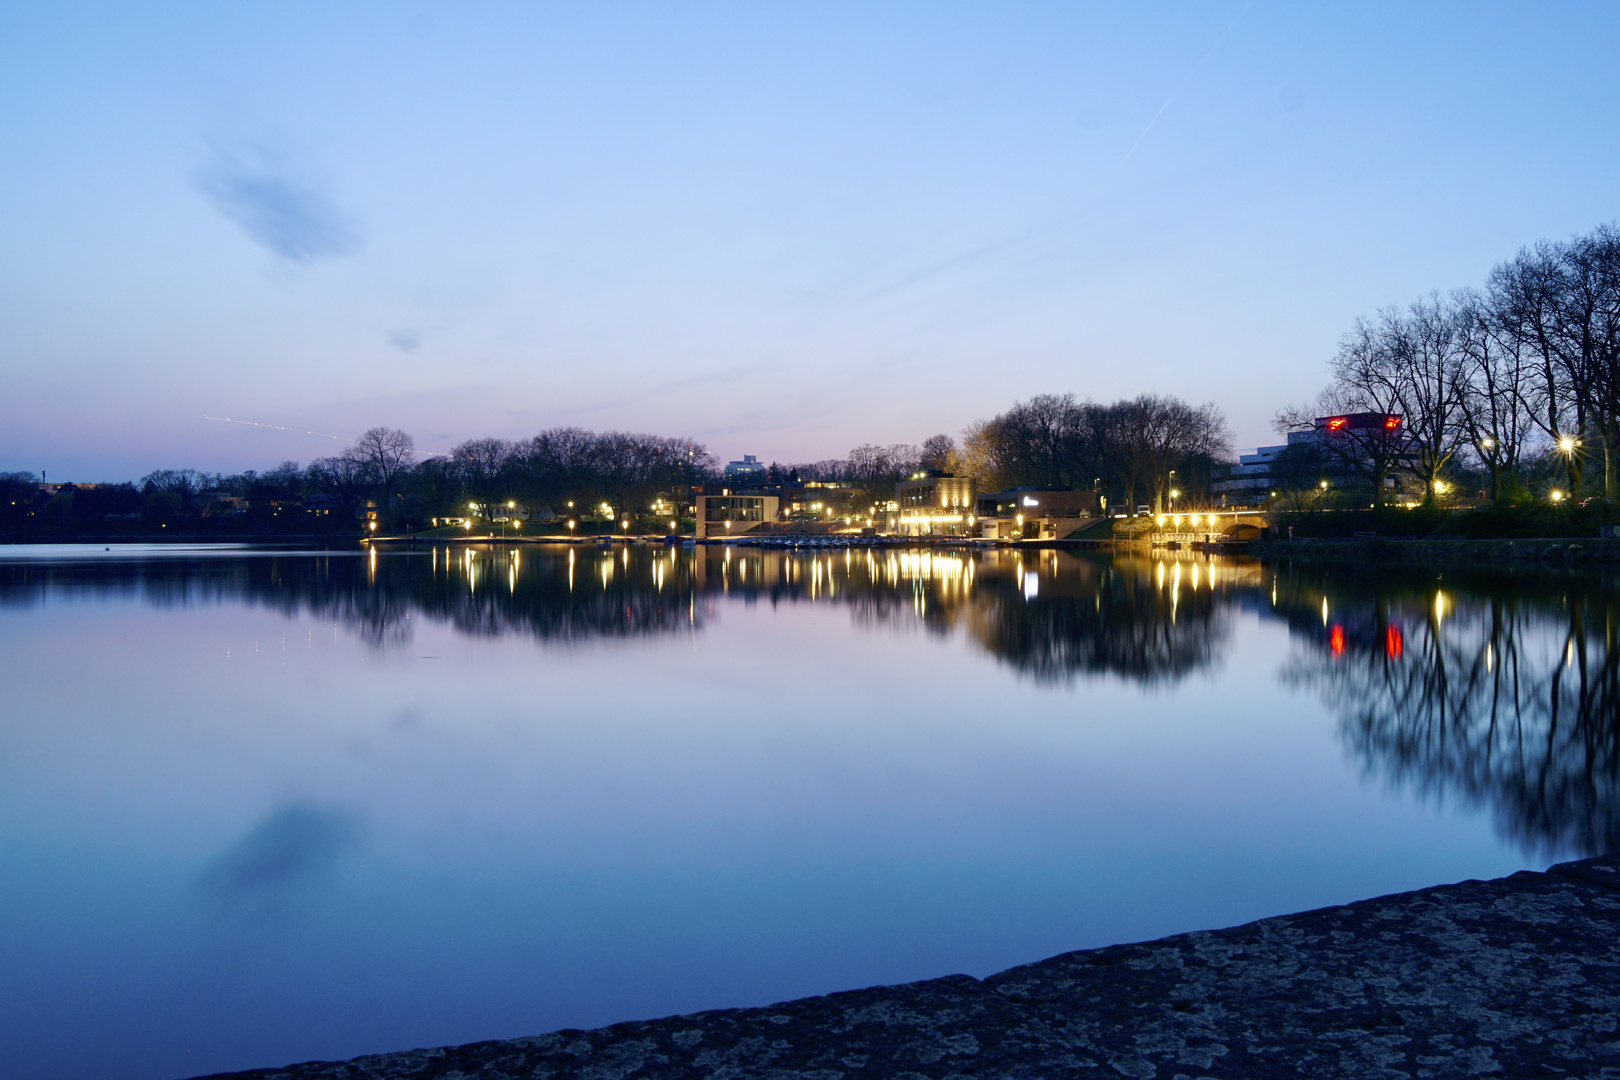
pixel 263 807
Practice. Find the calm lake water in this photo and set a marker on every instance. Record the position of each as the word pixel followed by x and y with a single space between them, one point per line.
pixel 259 807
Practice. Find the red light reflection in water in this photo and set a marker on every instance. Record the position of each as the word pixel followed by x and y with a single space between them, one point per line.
pixel 1392 642
pixel 1336 640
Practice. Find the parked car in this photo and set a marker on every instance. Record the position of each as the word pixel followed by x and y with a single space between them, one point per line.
pixel 1144 511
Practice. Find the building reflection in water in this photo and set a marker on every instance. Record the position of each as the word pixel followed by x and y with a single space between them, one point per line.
pixel 1499 688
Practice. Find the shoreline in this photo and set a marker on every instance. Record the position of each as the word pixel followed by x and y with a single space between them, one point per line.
pixel 1515 976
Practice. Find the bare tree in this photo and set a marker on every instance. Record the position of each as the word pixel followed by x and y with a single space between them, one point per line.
pixel 480 463
pixel 1526 299
pixel 1366 379
pixel 1161 433
pixel 386 453
pixel 874 470
pixel 1590 326
pixel 1427 365
pixel 343 477
pixel 1495 391
pixel 938 452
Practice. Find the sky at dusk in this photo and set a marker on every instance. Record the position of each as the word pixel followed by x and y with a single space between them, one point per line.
pixel 781 230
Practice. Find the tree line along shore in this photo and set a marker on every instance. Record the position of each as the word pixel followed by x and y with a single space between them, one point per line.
pixel 1504 402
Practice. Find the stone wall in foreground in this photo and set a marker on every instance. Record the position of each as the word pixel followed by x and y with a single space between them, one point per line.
pixel 1517 977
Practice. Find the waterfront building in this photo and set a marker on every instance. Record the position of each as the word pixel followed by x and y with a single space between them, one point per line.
pixel 934 503
pixel 735 512
pixel 1036 513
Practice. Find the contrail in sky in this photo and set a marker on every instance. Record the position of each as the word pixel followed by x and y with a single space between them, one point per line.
pixel 277 427
pixel 1185 79
pixel 300 431
pixel 996 248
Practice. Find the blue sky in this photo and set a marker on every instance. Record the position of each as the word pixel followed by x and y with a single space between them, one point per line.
pixel 781 230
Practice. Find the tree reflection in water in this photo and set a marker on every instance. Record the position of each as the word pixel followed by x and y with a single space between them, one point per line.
pixel 550 593
pixel 1049 615
pixel 1150 621
pixel 1500 687
pixel 1505 692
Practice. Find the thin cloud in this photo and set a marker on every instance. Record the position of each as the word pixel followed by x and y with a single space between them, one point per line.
pixel 406 341
pixel 285 213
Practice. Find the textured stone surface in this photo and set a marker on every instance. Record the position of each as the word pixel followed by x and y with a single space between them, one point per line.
pixel 1517 977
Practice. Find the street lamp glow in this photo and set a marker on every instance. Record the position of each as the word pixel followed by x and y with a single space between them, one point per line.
pixel 1566 443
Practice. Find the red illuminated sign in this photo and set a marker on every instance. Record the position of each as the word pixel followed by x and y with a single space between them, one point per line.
pixel 1391 423
pixel 1337 423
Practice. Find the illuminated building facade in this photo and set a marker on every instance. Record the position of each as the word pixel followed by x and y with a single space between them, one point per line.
pixel 934 504
pixel 734 513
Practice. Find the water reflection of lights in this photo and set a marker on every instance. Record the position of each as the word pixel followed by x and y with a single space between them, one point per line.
pixel 930 565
